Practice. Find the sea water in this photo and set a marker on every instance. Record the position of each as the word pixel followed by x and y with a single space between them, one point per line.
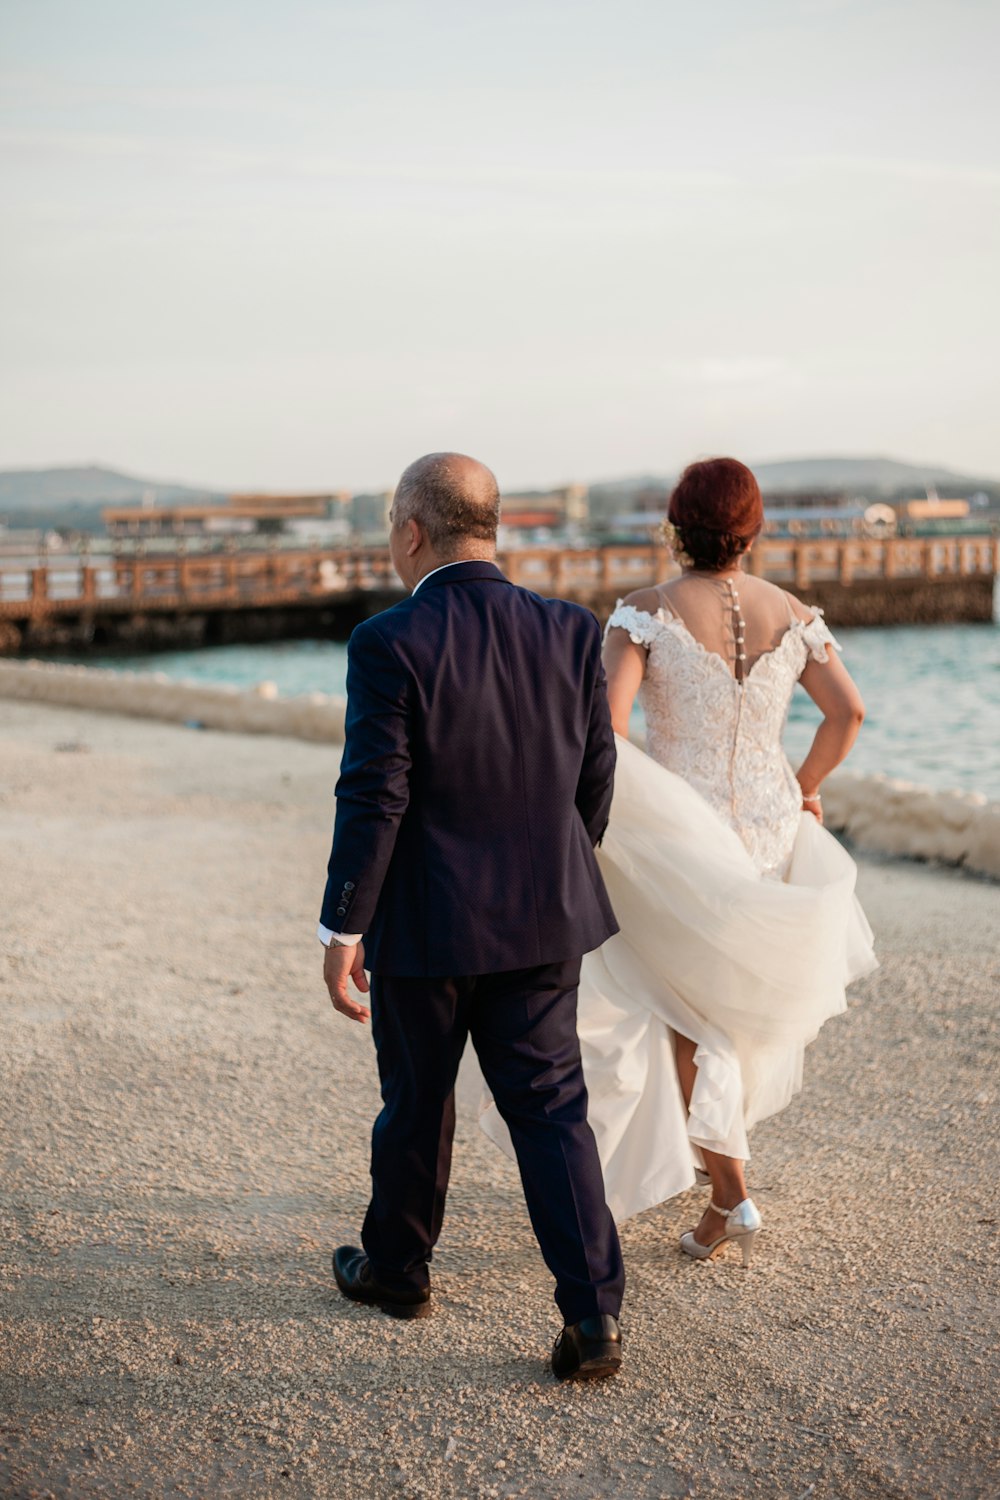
pixel 932 694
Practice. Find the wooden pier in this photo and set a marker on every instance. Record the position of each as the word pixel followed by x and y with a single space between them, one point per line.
pixel 203 597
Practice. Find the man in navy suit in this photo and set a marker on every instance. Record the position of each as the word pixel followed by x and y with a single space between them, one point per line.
pixel 476 780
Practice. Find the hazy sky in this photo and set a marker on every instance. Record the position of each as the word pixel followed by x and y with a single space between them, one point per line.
pixel 299 243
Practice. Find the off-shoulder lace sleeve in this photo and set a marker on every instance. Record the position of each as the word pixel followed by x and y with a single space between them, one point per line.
pixel 818 636
pixel 642 628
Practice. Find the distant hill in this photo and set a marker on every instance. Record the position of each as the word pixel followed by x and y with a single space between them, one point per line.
pixel 866 476
pixel 74 497
pixel 93 485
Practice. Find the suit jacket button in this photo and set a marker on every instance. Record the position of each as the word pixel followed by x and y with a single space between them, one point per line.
pixel 348 885
pixel 341 911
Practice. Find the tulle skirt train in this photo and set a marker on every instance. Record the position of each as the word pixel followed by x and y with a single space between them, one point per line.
pixel 747 967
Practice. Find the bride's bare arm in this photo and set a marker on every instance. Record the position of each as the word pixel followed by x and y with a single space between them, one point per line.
pixel 625 665
pixel 832 689
pixel 625 662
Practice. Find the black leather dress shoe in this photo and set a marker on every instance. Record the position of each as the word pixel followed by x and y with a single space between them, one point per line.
pixel 588 1350
pixel 353 1272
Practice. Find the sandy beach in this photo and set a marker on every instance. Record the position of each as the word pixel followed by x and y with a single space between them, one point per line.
pixel 185 1128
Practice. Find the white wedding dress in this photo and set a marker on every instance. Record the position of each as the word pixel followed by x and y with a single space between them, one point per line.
pixel 739 924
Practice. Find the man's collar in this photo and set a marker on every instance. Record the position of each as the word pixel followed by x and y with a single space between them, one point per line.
pixel 459 572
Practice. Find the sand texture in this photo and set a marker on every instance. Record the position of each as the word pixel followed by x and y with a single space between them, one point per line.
pixel 185 1128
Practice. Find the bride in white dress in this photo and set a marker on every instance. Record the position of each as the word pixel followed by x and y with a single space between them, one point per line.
pixel 739 923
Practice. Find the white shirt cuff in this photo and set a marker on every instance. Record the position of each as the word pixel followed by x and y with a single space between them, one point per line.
pixel 324 934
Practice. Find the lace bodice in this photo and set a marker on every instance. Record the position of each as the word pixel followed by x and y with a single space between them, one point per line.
pixel 723 736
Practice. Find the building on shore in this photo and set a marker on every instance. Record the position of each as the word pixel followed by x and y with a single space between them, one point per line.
pixel 241 515
pixel 570 515
pixel 369 514
pixel 525 516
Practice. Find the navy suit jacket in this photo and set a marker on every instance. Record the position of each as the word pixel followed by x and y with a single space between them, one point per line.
pixel 475 781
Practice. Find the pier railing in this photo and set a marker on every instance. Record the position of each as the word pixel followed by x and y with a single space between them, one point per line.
pixel 795 563
pixel 39 588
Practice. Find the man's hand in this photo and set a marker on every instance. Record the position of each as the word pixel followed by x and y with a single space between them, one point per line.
pixel 339 965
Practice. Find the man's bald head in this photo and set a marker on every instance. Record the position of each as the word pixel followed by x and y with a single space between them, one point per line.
pixel 455 499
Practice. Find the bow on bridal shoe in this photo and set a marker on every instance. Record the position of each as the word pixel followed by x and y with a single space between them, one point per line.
pixel 742 1224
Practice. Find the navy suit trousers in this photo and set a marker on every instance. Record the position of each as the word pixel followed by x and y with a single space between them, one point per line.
pixel 523 1027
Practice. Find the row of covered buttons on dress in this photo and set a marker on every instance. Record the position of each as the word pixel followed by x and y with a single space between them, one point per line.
pixel 345 898
pixel 740 631
pixel 740 634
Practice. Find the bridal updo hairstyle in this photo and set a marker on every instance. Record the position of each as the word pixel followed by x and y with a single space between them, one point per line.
pixel 716 510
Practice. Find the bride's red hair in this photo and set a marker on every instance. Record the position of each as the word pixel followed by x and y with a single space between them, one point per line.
pixel 717 508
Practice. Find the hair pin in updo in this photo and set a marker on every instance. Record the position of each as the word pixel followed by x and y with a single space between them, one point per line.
pixel 673 539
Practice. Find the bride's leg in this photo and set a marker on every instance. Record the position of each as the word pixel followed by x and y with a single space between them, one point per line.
pixel 728 1182
pixel 684 1050
pixel 729 1185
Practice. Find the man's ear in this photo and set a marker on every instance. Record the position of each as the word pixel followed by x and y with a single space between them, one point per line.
pixel 415 538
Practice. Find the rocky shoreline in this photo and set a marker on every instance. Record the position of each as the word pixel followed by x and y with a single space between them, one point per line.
pixel 877 813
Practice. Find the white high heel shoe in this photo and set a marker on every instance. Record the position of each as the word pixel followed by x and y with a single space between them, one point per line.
pixel 742 1224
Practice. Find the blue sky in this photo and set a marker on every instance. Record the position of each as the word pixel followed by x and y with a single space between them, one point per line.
pixel 298 244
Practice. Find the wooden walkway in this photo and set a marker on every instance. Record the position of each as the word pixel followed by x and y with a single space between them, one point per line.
pixel 35 594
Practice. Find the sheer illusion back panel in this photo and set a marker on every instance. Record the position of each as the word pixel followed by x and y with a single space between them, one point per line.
pixel 715 719
pixel 711 609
